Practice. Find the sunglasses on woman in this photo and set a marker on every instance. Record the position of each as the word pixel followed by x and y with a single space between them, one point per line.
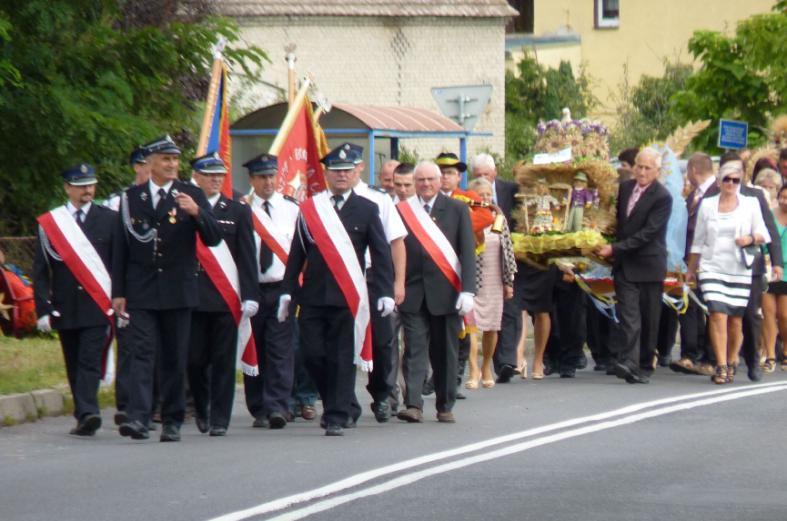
pixel 733 180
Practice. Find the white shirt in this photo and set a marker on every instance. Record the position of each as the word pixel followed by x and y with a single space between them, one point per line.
pixel 430 202
pixel 345 196
pixel 393 226
pixel 73 210
pixel 154 188
pixel 284 215
pixel 705 186
pixel 214 199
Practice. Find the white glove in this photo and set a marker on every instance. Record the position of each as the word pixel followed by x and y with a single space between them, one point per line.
pixel 249 308
pixel 284 308
pixel 385 305
pixel 44 325
pixel 464 304
pixel 123 321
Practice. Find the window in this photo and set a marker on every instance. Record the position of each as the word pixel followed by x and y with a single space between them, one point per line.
pixel 607 14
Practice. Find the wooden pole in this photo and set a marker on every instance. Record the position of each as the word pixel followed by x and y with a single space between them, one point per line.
pixel 289 119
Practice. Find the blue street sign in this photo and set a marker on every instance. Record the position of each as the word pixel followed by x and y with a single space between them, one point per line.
pixel 733 134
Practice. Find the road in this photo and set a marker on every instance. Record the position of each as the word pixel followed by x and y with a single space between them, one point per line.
pixel 589 448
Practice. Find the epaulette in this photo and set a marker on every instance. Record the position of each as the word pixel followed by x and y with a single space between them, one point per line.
pixel 377 188
pixel 290 199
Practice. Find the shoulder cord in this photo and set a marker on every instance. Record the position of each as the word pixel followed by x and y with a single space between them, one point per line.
pixel 126 216
pixel 49 252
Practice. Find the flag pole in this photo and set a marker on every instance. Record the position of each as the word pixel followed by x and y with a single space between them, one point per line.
pixel 289 119
pixel 291 78
pixel 213 92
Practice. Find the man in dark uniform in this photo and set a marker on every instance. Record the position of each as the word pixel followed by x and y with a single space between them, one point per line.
pixel 214 332
pixel 326 322
pixel 64 304
pixel 267 394
pixel 154 273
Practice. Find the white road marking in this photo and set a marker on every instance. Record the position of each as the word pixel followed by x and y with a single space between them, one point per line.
pixel 701 399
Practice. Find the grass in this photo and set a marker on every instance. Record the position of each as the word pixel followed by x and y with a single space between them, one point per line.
pixel 31 363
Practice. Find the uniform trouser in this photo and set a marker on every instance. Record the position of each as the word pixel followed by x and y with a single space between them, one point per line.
pixel 304 393
pixel 211 365
pixel 123 372
pixel 270 391
pixel 82 351
pixel 569 329
pixel 668 330
pixel 435 339
pixel 752 324
pixel 328 347
pixel 166 331
pixel 638 307
pixel 383 376
pixel 599 329
pixel 693 332
pixel 508 337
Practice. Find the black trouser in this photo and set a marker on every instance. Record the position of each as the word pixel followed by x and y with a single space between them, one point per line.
pixel 166 331
pixel 638 307
pixel 569 330
pixel 693 332
pixel 435 339
pixel 303 390
pixel 123 372
pixel 83 350
pixel 752 324
pixel 508 337
pixel 463 354
pixel 599 333
pixel 270 391
pixel 211 365
pixel 329 350
pixel 383 376
pixel 668 330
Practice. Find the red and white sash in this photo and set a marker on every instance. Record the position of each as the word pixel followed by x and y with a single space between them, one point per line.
pixel 339 254
pixel 218 263
pixel 432 239
pixel 270 234
pixel 83 261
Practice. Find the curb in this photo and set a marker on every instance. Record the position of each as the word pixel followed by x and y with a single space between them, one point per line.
pixel 29 407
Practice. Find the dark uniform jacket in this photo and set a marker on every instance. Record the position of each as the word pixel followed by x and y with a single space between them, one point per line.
pixel 424 280
pixel 361 219
pixel 162 273
pixel 641 248
pixel 56 288
pixel 234 220
pixel 505 192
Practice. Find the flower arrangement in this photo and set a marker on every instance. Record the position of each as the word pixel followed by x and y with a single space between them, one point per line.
pixel 587 139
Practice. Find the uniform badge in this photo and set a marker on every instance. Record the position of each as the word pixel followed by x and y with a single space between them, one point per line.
pixel 143 196
pixel 172 216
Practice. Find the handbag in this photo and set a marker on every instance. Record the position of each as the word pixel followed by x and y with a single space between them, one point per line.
pixel 749 254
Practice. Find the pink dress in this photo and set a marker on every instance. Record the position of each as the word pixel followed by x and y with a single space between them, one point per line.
pixel 488 308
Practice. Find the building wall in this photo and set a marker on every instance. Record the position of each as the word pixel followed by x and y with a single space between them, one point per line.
pixel 388 61
pixel 649 32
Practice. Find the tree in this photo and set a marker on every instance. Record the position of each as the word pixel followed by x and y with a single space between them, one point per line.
pixel 88 80
pixel 743 76
pixel 538 93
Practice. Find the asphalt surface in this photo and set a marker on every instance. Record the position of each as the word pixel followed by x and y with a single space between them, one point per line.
pixel 687 456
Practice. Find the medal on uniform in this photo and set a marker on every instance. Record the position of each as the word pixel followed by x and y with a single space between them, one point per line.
pixel 143 196
pixel 172 214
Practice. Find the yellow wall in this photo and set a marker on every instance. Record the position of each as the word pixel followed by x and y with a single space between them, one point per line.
pixel 649 32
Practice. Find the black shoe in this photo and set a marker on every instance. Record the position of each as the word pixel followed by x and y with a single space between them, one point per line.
pixel 261 423
pixel 631 376
pixel 333 430
pixel 120 418
pixel 622 371
pixel 218 431
pixel 87 426
pixel 460 396
pixel 134 430
pixel 582 362
pixel 646 371
pixel 170 432
pixel 202 424
pixel 637 378
pixel 382 411
pixel 277 420
pixel 754 372
pixel 611 370
pixel 601 366
pixel 568 372
pixel 505 374
pixel 549 368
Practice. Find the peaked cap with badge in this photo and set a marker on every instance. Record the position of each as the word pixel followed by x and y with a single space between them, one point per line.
pixel 82 174
pixel 209 164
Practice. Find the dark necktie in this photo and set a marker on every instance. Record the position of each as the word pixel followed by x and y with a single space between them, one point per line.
pixel 266 255
pixel 80 217
pixel 161 195
pixel 427 209
pixel 337 201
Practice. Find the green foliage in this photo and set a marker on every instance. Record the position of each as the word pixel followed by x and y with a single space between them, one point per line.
pixel 537 93
pixel 92 82
pixel 743 76
pixel 643 110
pixel 408 155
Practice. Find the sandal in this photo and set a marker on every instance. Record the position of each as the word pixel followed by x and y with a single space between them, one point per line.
pixel 720 376
pixel 523 370
pixel 487 384
pixel 472 383
pixel 732 370
pixel 769 366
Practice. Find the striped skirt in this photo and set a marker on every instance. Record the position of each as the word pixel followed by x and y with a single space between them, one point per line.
pixel 725 293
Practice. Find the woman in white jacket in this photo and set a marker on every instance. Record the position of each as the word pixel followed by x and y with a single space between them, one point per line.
pixel 727 225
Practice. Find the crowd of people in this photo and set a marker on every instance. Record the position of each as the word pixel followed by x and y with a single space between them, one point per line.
pixel 400 281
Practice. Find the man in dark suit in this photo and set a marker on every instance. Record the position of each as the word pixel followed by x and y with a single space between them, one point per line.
pixel 214 332
pixel 64 304
pixel 694 355
pixel 433 306
pixel 752 318
pixel 326 321
pixel 154 274
pixel 504 193
pixel 640 265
